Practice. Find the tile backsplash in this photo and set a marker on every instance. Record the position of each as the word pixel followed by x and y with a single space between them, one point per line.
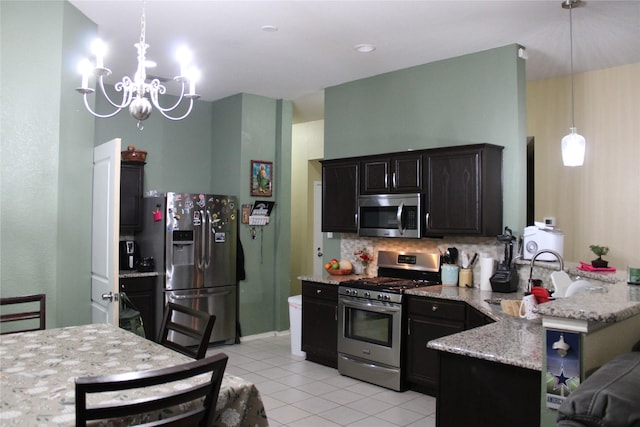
pixel 351 243
pixel 484 246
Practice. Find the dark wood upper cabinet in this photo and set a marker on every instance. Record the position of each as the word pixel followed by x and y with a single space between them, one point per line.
pixel 340 195
pixel 463 190
pixel 131 176
pixel 396 173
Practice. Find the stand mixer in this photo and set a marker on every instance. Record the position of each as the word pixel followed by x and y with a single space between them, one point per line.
pixel 505 279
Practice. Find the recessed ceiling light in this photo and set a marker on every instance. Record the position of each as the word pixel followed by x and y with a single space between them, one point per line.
pixel 269 28
pixel 364 48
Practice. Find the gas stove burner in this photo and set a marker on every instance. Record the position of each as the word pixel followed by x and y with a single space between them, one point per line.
pixel 386 284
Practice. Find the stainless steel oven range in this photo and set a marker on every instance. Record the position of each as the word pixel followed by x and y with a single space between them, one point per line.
pixel 370 317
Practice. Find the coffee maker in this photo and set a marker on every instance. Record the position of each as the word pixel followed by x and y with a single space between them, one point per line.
pixel 129 254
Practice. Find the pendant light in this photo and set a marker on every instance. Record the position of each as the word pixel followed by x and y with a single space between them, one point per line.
pixel 573 144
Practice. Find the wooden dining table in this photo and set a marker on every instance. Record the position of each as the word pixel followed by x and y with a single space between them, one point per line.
pixel 38 371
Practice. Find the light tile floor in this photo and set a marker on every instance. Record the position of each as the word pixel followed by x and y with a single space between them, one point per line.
pixel 297 393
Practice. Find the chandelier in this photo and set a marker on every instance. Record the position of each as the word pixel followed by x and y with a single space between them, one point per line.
pixel 573 145
pixel 139 94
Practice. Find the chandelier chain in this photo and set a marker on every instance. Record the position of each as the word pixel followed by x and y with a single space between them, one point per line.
pixel 143 24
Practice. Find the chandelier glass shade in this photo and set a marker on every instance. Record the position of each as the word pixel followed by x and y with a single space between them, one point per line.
pixel 573 145
pixel 139 94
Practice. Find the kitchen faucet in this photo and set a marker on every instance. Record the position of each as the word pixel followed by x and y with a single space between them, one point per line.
pixel 540 252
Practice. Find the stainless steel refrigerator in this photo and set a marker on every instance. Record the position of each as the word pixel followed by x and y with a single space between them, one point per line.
pixel 193 240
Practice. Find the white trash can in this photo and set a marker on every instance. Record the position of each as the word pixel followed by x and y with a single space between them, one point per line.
pixel 295 325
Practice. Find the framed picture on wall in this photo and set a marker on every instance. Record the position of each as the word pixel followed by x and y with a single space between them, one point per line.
pixel 261 178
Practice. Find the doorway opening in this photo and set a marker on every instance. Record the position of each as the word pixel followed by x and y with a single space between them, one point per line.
pixel 530 180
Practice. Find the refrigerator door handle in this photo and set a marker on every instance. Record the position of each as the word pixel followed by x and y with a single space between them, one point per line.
pixel 198 296
pixel 203 228
pixel 207 254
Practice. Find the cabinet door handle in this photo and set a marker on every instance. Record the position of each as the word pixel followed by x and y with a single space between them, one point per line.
pixel 393 180
pixel 318 291
pixel 434 307
pixel 386 180
pixel 426 220
pixel 409 326
pixel 336 313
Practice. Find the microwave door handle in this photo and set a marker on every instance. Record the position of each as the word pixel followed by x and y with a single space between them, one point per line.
pixel 399 217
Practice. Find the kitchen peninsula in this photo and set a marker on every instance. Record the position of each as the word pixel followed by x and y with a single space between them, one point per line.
pixel 503 360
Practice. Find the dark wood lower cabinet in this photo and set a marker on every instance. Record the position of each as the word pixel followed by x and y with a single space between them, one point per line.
pixel 428 319
pixel 142 293
pixel 476 392
pixel 320 323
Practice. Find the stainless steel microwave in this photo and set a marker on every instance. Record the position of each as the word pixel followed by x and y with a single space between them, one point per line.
pixel 390 215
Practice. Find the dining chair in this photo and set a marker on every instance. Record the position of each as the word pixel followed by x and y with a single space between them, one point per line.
pixel 39 314
pixel 181 322
pixel 203 396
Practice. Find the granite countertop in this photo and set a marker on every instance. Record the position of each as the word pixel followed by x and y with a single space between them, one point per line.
pixel 473 296
pixel 515 341
pixel 509 340
pixel 328 279
pixel 605 302
pixel 512 341
pixel 129 274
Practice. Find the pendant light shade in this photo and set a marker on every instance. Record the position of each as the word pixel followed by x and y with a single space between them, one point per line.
pixel 573 145
pixel 573 148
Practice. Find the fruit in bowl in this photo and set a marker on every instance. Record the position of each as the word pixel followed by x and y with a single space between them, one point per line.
pixel 336 267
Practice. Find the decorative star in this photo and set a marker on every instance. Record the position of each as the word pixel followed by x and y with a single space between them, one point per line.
pixel 561 380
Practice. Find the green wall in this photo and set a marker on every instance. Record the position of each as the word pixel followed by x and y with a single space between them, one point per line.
pixel 178 152
pixel 476 98
pixel 249 127
pixel 47 148
pixel 46 156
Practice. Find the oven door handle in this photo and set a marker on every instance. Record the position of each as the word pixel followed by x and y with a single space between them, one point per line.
pixel 401 227
pixel 370 307
pixel 368 364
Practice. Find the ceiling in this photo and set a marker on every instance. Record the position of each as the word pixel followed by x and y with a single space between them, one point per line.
pixel 313 47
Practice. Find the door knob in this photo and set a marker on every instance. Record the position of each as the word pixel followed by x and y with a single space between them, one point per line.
pixel 320 253
pixel 109 296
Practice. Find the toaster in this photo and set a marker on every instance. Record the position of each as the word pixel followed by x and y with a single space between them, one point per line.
pixel 538 238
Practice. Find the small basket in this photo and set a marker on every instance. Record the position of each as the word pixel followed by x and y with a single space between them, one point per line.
pixel 133 155
pixel 338 272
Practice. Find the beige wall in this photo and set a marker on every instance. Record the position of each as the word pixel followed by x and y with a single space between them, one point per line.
pixel 599 202
pixel 307 148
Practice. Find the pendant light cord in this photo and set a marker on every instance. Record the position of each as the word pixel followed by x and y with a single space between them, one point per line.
pixel 573 123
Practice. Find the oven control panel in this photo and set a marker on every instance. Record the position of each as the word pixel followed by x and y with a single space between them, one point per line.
pixel 370 294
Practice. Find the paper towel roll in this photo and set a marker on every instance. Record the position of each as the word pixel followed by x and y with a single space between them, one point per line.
pixel 486 271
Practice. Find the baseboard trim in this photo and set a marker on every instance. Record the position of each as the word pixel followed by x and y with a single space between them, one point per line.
pixel 265 335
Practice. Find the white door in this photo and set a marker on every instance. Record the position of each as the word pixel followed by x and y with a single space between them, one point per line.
pixel 105 226
pixel 318 267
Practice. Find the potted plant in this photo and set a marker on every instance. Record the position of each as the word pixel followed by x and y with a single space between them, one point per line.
pixel 599 251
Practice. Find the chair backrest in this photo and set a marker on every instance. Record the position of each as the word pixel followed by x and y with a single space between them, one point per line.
pixel 203 396
pixel 181 325
pixel 39 314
